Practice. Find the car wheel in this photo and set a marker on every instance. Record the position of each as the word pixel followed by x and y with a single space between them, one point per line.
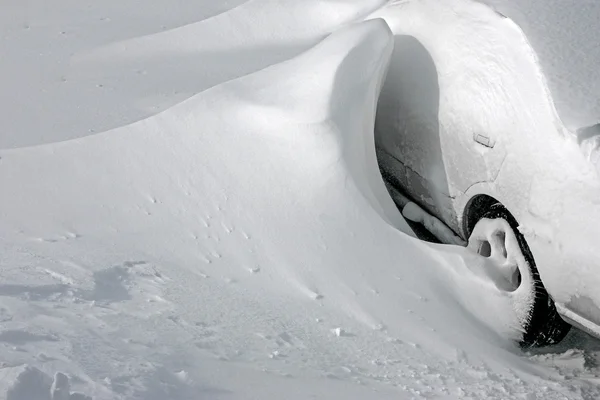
pixel 496 236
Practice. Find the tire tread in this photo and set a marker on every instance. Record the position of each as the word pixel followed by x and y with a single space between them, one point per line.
pixel 545 326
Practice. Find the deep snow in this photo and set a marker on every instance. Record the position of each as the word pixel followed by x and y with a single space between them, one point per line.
pixel 240 244
pixel 115 62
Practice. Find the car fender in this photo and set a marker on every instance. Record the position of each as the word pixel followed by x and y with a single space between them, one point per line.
pixel 561 268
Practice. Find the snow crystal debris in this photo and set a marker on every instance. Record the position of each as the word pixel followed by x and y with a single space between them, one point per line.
pixel 182 375
pixel 61 387
pixel 276 354
pixel 394 340
pixel 226 227
pixel 339 332
pixel 316 296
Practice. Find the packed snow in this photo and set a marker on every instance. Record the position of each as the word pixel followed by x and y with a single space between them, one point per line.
pixel 191 207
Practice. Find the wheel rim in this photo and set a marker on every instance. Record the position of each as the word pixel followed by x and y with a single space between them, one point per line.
pixel 495 240
pixel 508 262
pixel 505 264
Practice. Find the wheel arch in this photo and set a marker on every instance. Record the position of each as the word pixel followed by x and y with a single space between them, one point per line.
pixel 544 325
pixel 476 206
pixel 474 201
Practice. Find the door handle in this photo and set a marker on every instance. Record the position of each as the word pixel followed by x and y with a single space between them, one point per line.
pixel 484 140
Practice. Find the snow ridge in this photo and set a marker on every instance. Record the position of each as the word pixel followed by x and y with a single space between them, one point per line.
pixel 242 244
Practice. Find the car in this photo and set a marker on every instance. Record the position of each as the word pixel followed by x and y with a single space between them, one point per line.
pixel 467 131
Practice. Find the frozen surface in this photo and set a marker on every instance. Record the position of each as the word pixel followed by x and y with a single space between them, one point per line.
pixel 240 244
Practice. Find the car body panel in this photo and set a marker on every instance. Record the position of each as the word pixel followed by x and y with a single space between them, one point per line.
pixel 565 36
pixel 413 155
pixel 496 133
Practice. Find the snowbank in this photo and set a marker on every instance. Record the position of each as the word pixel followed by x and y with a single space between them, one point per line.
pixel 242 245
pixel 87 67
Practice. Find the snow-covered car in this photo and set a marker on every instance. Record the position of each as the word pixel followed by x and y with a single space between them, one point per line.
pixel 468 130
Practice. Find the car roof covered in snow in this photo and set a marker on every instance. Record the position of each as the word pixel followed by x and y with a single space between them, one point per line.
pixel 564 34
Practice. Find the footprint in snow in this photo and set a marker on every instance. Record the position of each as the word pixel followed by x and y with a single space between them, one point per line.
pixel 115 284
pixel 25 382
pixel 110 285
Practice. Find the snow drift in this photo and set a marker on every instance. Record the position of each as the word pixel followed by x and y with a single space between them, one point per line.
pixel 242 245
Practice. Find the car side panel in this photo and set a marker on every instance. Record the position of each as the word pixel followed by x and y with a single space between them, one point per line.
pixel 562 246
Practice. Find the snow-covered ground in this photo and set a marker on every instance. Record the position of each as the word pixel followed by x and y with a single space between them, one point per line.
pixel 237 241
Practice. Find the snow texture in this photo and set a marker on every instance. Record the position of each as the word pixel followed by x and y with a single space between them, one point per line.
pixel 237 241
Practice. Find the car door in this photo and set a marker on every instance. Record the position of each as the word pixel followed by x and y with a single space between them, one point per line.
pixel 407 129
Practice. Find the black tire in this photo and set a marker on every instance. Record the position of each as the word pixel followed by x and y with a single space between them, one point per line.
pixel 544 326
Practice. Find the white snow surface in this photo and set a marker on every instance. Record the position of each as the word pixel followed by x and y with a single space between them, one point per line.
pixel 237 242
pixel 564 35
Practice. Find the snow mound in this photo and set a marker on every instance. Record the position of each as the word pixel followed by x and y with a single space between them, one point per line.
pixel 116 62
pixel 243 236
